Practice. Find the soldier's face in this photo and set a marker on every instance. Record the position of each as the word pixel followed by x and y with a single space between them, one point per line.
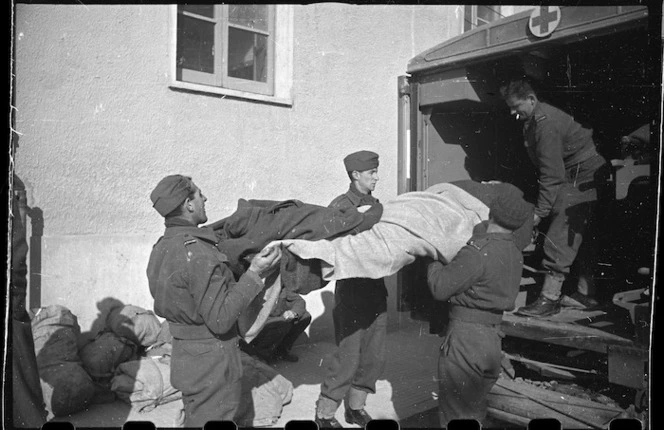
pixel 198 207
pixel 521 108
pixel 366 180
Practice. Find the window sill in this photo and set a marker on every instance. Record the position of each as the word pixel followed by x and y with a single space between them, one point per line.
pixel 284 101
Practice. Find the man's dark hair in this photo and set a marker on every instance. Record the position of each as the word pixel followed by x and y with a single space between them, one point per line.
pixel 519 88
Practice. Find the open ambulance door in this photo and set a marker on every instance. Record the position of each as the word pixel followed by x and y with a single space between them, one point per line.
pixel 602 64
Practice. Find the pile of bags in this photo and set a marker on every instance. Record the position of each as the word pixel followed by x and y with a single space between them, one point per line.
pixel 66 385
pixel 131 357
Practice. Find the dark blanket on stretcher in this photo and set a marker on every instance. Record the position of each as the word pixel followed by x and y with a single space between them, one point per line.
pixel 256 223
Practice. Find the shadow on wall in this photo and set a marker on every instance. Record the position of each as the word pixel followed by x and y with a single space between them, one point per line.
pixel 37 223
pixel 99 324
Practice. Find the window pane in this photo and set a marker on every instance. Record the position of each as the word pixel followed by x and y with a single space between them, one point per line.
pixel 247 55
pixel 487 13
pixel 468 18
pixel 195 44
pixel 249 15
pixel 204 10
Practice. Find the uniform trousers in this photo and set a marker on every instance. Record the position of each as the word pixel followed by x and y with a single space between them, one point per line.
pixel 354 368
pixel 468 367
pixel 208 372
pixel 571 216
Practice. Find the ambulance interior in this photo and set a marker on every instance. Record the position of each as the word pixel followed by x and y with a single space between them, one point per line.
pixel 608 82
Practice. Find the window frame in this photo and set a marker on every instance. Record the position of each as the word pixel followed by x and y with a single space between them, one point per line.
pixel 474 18
pixel 277 90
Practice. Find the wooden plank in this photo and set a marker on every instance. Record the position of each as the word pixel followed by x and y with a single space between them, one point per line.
pixel 525 400
pixel 508 417
pixel 561 333
pixel 555 397
pixel 549 369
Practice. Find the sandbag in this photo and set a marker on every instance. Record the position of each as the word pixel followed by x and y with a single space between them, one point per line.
pixel 264 393
pixel 145 383
pixel 67 388
pixel 55 332
pixel 134 323
pixel 102 355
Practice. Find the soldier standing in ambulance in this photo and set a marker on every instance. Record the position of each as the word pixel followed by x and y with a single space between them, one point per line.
pixel 360 318
pixel 480 282
pixel 571 175
pixel 195 291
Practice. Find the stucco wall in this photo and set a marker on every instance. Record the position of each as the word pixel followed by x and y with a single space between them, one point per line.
pixel 100 127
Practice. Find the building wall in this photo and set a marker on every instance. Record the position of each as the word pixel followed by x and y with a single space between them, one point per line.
pixel 99 127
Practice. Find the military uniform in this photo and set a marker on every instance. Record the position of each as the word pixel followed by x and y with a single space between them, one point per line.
pixel 480 283
pixel 571 175
pixel 360 327
pixel 196 292
pixel 278 335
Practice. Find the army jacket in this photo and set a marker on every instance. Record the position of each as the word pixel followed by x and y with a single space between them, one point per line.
pixel 364 295
pixel 193 287
pixel 557 145
pixel 485 274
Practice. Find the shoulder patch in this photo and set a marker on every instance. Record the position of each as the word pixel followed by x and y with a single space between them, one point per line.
pixel 473 244
pixel 478 243
pixel 189 242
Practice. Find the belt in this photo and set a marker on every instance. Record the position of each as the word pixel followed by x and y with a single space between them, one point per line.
pixel 191 332
pixel 586 155
pixel 478 316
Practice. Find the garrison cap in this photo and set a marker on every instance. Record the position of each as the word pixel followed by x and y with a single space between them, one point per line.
pixel 170 192
pixel 507 188
pixel 361 161
pixel 510 210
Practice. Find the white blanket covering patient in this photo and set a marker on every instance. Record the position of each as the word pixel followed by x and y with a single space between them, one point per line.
pixel 436 223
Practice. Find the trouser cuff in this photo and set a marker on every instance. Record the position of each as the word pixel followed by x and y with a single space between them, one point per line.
pixel 326 408
pixel 553 284
pixel 356 399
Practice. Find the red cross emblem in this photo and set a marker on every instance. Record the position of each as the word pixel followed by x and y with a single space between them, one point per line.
pixel 544 20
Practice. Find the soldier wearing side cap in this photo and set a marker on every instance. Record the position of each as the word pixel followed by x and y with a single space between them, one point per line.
pixel 195 291
pixel 480 282
pixel 360 318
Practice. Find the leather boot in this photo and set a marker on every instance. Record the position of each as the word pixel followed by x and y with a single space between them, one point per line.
pixel 357 416
pixel 544 306
pixel 325 411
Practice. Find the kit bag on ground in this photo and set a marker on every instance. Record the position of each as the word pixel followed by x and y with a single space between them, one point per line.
pixel 134 323
pixel 264 393
pixel 145 383
pixel 55 331
pixel 66 385
pixel 105 353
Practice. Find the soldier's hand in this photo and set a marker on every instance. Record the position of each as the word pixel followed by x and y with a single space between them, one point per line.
pixel 289 315
pixel 265 261
pixel 536 220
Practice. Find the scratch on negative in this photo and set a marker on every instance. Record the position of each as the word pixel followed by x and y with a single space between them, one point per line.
pixel 547 238
pixel 569 337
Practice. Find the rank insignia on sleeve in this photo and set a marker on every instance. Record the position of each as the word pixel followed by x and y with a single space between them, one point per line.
pixel 541 118
pixel 189 242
